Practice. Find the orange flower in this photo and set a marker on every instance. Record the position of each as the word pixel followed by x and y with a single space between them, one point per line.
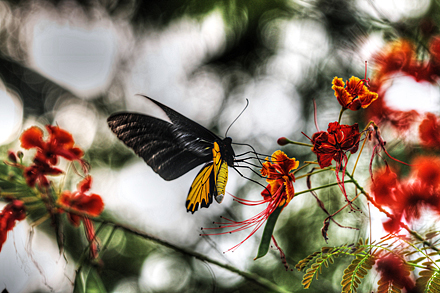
pixel 277 171
pixel 354 95
pixel 397 56
pixel 278 193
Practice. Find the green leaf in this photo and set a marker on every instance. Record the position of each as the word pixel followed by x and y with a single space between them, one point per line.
pixel 267 233
pixel 87 280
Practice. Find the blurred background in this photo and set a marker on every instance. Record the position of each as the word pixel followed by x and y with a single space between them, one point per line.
pixel 73 63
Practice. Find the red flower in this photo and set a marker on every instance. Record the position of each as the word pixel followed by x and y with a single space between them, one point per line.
pixel 354 95
pixel 393 271
pixel 37 173
pixel 429 131
pixel 89 204
pixel 59 143
pixel 13 211
pixel 385 188
pixel 80 201
pixel 407 197
pixel 332 144
pixel 278 193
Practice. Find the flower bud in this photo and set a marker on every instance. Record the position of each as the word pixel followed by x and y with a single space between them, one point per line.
pixel 11 157
pixel 282 141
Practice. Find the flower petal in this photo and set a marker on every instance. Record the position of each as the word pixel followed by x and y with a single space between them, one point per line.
pixel 32 138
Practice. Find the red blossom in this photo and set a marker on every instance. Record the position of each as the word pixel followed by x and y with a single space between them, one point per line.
pixel 429 131
pixel 278 193
pixel 354 95
pixel 37 173
pixel 335 142
pixel 13 212
pixel 90 204
pixel 60 143
pixel 80 201
pixel 385 188
pixel 393 271
pixel 407 197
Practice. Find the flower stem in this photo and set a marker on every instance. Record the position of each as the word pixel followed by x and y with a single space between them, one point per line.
pixel 340 114
pixel 315 172
pixel 321 187
pixel 299 143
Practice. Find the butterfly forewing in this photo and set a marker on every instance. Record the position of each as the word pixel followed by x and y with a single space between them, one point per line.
pixel 155 141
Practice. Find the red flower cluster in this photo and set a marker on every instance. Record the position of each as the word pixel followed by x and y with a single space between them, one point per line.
pixel 408 197
pixel 401 56
pixel 429 131
pixel 90 204
pixel 278 193
pixel 12 212
pixel 393 271
pixel 60 143
pixel 354 95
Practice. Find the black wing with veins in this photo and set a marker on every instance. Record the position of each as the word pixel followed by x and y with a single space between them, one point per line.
pixel 170 149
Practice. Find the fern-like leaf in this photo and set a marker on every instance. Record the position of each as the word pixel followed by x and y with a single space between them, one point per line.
pixel 429 281
pixel 356 271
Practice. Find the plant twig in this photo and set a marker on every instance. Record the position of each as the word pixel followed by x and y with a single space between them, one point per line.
pixel 249 276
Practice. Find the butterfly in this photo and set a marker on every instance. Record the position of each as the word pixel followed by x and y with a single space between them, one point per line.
pixel 173 149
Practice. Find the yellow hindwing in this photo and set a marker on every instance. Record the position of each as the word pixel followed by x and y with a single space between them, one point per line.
pixel 210 181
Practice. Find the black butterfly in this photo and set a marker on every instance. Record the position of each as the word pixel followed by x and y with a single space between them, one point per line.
pixel 172 149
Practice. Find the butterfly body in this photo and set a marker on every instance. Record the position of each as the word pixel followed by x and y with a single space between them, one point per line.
pixel 173 149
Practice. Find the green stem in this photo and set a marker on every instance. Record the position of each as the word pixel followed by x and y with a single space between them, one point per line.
pixel 340 114
pixel 314 172
pixel 321 187
pixel 299 143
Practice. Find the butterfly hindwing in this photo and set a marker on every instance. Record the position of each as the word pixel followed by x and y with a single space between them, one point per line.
pixel 210 182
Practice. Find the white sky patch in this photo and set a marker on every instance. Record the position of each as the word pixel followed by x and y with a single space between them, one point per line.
pixel 167 59
pixel 11 116
pixel 302 42
pixel 78 58
pixel 370 46
pixel 273 111
pixel 406 94
pixel 394 10
pixel 79 120
pixel 164 273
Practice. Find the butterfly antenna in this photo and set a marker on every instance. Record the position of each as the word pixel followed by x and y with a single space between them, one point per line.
pixel 247 104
